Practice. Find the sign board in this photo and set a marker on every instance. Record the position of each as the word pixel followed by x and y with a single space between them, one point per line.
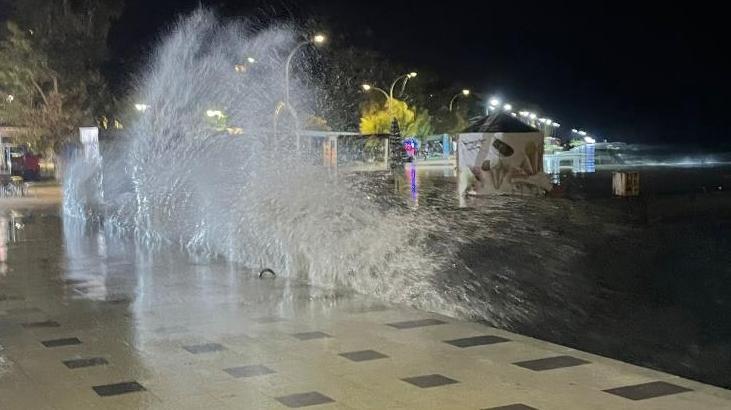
pixel 89 137
pixel 502 163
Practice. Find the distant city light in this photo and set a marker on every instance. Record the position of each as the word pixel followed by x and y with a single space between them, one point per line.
pixel 251 60
pixel 555 124
pixel 507 107
pixel 411 74
pixel 513 114
pixel 524 113
pixel 574 130
pixel 532 116
pixel 582 133
pixel 589 140
pixel 141 107
pixel 319 39
pixel 366 87
pixel 465 92
pixel 494 102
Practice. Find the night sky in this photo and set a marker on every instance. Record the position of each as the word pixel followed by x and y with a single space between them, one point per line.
pixel 622 71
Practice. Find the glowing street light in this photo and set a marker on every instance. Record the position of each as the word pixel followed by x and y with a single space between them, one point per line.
pixel 214 114
pixel 464 92
pixel 532 116
pixel 241 68
pixel 141 107
pixel 507 107
pixel 319 38
pixel 574 130
pixel 582 133
pixel 589 140
pixel 555 124
pixel 524 113
pixel 494 102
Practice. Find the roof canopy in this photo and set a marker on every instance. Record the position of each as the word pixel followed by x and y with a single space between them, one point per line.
pixel 499 122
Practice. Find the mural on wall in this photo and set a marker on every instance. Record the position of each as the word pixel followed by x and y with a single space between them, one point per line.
pixel 502 163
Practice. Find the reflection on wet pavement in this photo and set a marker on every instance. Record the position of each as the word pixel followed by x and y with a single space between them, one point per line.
pixel 92 320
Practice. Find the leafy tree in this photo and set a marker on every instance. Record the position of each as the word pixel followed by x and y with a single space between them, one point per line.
pixel 376 119
pixel 50 59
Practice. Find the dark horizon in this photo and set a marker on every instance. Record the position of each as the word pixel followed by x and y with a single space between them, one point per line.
pixel 627 73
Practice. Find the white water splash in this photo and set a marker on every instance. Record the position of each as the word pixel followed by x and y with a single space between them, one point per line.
pixel 249 198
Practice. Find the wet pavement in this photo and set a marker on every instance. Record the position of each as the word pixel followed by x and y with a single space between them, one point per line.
pixel 92 320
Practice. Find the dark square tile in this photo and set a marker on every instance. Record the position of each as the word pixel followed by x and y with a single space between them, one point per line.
pixel 311 335
pixel 73 282
pixel 410 324
pixel 45 323
pixel 647 390
pixel 304 399
pixel 430 380
pixel 363 355
pixel 4 297
pixel 118 388
pixel 517 406
pixel 23 311
pixel 249 371
pixel 476 341
pixel 171 329
pixel 269 319
pixel 551 363
pixel 88 362
pixel 204 348
pixel 120 300
pixel 368 309
pixel 68 341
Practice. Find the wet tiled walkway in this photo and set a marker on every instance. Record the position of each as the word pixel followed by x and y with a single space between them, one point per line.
pixel 88 323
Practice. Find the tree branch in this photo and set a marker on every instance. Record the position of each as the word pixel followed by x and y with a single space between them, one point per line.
pixel 40 90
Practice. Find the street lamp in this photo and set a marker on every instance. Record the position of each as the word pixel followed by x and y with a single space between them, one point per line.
pixel 368 87
pixel 317 39
pixel 406 78
pixel 507 107
pixel 464 92
pixel 215 113
pixel 494 101
pixel 141 107
pixel 242 67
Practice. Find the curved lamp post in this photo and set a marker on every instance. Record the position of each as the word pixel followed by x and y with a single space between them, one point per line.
pixel 368 87
pixel 406 78
pixel 464 92
pixel 317 40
